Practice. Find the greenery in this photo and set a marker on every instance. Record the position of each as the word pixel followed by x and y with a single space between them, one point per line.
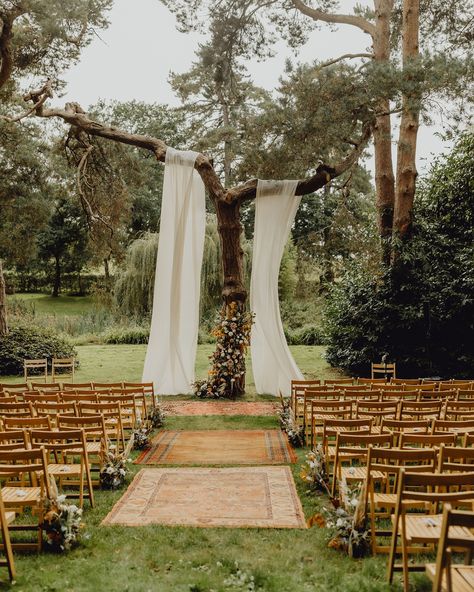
pixel 421 312
pixel 30 342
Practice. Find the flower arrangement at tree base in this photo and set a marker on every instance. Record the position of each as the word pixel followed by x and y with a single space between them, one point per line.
pixel 287 424
pixel 227 372
pixel 62 522
pixel 114 470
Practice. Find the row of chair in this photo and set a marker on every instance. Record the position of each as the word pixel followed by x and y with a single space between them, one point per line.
pixel 402 469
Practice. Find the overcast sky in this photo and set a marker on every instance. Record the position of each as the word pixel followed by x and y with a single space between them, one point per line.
pixel 132 59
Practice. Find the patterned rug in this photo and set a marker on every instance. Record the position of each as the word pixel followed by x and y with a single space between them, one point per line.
pixel 262 497
pixel 219 447
pixel 219 408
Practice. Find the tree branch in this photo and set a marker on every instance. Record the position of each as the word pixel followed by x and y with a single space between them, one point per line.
pixel 346 56
pixel 75 116
pixel 343 19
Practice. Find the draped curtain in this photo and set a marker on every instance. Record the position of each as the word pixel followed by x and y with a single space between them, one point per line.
pixel 171 352
pixel 272 362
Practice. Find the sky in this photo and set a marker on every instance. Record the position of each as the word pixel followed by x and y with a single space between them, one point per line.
pixel 133 58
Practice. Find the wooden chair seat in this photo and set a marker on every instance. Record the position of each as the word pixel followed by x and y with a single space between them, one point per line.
pixel 59 469
pixel 24 496
pixel 462 577
pixel 426 528
pixel 10 517
pixel 384 500
pixel 359 474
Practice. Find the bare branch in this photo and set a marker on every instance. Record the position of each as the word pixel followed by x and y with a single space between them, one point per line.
pixel 346 56
pixel 38 98
pixel 343 19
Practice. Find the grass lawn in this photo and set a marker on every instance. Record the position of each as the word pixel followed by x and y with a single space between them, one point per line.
pixel 179 559
pixel 112 363
pixel 60 306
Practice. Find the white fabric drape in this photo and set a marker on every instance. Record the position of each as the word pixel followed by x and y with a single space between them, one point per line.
pixel 272 363
pixel 171 352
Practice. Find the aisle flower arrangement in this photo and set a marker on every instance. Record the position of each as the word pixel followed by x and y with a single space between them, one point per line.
pixel 141 435
pixel 232 333
pixel 287 424
pixel 346 521
pixel 113 465
pixel 156 417
pixel 61 522
pixel 314 471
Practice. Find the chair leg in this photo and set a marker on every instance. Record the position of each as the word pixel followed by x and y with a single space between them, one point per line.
pixel 7 548
pixel 406 584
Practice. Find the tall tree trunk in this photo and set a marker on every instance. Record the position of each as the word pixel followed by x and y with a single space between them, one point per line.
pixel 384 176
pixel 3 304
pixel 107 274
pixel 227 145
pixel 57 278
pixel 406 154
pixel 230 230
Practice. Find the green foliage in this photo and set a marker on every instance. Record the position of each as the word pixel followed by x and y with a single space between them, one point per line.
pixel 421 313
pixel 307 335
pixel 127 335
pixel 30 342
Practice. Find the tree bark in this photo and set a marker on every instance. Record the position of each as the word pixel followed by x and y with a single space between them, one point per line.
pixel 57 278
pixel 384 176
pixel 406 153
pixel 3 304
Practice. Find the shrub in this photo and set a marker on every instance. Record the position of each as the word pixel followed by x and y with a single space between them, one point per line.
pixel 308 335
pixel 421 311
pixel 127 335
pixel 29 342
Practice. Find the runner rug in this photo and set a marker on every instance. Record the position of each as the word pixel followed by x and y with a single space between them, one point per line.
pixel 219 408
pixel 261 497
pixel 218 447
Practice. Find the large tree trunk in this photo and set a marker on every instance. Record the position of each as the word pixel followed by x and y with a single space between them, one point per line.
pixel 3 304
pixel 384 176
pixel 57 278
pixel 406 154
pixel 233 291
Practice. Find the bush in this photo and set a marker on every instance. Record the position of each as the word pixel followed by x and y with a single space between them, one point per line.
pixel 30 342
pixel 308 335
pixel 420 312
pixel 127 335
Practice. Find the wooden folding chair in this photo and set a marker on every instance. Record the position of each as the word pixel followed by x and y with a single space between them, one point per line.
pixel 421 529
pixel 27 423
pixel 338 381
pixel 426 387
pixel 6 518
pixel 465 395
pixel 298 388
pixel 332 427
pixel 381 494
pixel 141 409
pixel 15 387
pixel 404 381
pixel 95 434
pixel 426 440
pixel 14 440
pixel 64 447
pixel 16 409
pixel 420 409
pixel 459 410
pixel 352 447
pixel 459 427
pixel 377 410
pixel 26 472
pixel 370 381
pixel 38 396
pixel 112 414
pixel 361 395
pixel 73 386
pixel 130 409
pixel 41 386
pixel 387 370
pixel 149 389
pixel 455 458
pixel 65 366
pixel 397 427
pixel 445 575
pixel 388 395
pixel 52 410
pixel 37 365
pixel 321 410
pixel 78 397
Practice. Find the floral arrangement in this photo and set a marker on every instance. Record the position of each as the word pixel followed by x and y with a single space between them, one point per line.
pixel 314 471
pixel 294 432
pixel 156 417
pixel 141 435
pixel 62 522
pixel 346 520
pixel 232 333
pixel 113 465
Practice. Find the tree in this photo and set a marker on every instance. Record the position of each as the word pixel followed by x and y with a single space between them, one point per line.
pixel 65 240
pixel 441 69
pixel 40 38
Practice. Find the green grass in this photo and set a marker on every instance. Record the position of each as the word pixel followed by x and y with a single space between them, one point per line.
pixel 60 306
pixel 112 363
pixel 179 559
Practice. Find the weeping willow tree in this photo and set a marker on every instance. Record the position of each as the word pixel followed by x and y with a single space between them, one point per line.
pixel 135 282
